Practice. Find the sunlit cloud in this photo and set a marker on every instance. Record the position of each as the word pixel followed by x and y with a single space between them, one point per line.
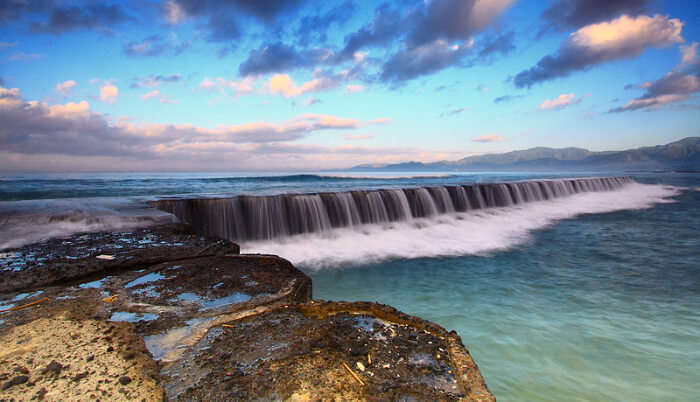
pixel 678 85
pixel 109 93
pixel 621 38
pixel 488 138
pixel 31 129
pixel 560 102
pixel 244 86
pixel 173 13
pixel 283 84
pixel 149 95
pixel 65 87
pixel 350 88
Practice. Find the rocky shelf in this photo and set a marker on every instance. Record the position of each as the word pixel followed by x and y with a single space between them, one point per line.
pixel 165 314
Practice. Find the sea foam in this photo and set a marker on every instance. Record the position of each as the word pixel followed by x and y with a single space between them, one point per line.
pixel 476 232
pixel 31 221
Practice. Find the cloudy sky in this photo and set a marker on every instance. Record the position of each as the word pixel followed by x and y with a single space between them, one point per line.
pixel 292 84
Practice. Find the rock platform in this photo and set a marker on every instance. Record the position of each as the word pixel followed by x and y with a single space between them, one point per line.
pixel 165 314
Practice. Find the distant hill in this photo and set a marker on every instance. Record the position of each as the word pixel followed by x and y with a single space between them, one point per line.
pixel 679 155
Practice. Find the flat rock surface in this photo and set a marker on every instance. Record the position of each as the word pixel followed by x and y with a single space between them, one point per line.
pixel 68 359
pixel 173 315
pixel 63 259
pixel 326 351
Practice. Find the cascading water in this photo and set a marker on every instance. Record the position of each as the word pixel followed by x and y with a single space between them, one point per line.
pixel 266 217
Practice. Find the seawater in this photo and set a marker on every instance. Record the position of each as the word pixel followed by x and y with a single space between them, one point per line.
pixel 590 297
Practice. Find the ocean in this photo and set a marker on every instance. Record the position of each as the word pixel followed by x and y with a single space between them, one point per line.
pixel 589 296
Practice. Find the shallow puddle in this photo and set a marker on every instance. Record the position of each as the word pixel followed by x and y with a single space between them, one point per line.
pixel 94 284
pixel 132 317
pixel 152 277
pixel 161 345
pixel 208 304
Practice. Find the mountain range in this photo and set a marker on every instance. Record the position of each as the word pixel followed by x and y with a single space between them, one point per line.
pixel 682 155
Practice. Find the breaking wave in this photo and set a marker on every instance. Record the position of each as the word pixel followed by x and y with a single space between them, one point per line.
pixel 26 222
pixel 474 232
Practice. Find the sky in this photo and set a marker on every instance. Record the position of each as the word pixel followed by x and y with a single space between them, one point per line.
pixel 240 85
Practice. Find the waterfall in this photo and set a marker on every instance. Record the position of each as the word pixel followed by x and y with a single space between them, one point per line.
pixel 265 217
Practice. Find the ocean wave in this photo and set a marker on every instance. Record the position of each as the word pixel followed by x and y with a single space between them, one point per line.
pixel 473 233
pixel 33 230
pixel 31 221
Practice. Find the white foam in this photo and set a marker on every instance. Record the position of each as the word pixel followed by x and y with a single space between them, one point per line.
pixel 31 221
pixel 476 232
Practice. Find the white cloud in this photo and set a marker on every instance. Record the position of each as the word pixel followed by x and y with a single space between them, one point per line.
pixel 621 38
pixel 173 12
pixel 488 138
pixel 109 93
pixel 359 56
pixel 38 136
pixel 70 110
pixel 678 85
pixel 10 97
pixel 150 95
pixel 284 85
pixel 689 56
pixel 65 87
pixel 560 102
pixel 628 35
pixel 244 86
pixel 350 88
pixel 207 84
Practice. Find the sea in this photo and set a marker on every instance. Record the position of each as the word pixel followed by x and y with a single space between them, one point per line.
pixel 593 296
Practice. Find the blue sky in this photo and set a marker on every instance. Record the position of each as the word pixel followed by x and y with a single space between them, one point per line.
pixel 292 84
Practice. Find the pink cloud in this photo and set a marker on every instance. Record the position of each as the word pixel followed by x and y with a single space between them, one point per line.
pixel 561 102
pixel 488 138
pixel 109 93
pixel 283 84
pixel 65 87
pixel 350 88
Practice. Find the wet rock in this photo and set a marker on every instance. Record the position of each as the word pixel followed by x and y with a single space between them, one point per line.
pixel 74 257
pixel 283 352
pixel 222 326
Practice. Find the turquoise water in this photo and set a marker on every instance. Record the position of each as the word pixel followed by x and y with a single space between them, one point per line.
pixel 590 297
pixel 599 307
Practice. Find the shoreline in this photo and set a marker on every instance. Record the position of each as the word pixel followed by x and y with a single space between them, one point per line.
pixel 182 307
